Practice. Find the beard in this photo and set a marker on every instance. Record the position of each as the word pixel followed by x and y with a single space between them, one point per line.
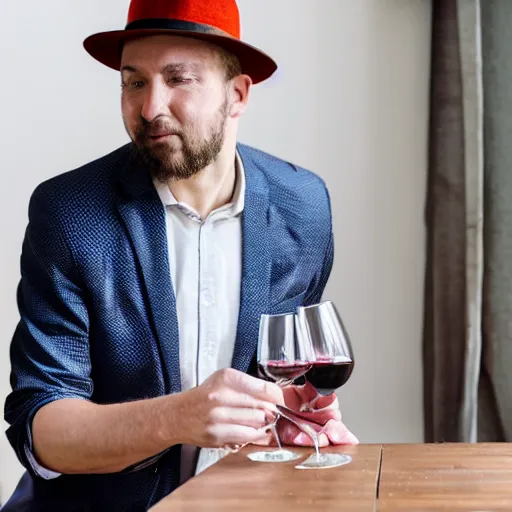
pixel 165 161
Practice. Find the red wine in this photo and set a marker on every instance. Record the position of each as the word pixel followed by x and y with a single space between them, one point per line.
pixel 328 375
pixel 282 370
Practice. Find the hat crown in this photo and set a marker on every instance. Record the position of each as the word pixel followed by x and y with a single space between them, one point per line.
pixel 221 14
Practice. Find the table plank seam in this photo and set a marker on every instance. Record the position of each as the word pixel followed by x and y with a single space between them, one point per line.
pixel 446 476
pixel 377 482
pixel 379 472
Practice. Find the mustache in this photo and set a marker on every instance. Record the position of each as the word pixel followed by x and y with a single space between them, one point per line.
pixel 156 128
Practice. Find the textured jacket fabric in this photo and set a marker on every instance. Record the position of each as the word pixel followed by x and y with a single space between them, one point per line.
pixel 97 310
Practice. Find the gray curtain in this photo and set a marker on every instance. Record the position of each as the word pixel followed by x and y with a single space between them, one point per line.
pixel 467 345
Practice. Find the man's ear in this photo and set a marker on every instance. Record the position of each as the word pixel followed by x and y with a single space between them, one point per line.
pixel 240 90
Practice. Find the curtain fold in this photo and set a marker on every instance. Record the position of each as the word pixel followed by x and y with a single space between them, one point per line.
pixel 467 340
pixel 445 332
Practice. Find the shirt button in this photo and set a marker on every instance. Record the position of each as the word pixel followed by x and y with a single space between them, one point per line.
pixel 208 301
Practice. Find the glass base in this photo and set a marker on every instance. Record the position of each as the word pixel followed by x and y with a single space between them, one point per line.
pixel 325 461
pixel 274 456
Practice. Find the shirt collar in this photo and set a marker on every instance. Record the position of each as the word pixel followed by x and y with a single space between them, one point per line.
pixel 235 206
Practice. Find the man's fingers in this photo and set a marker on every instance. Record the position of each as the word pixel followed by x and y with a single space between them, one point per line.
pixel 323 416
pixel 268 440
pixel 257 388
pixel 302 394
pixel 291 435
pixel 255 417
pixel 308 391
pixel 232 398
pixel 334 432
pixel 327 401
pixel 296 396
pixel 227 434
pixel 338 433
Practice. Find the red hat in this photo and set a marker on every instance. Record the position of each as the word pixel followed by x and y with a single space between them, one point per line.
pixel 216 21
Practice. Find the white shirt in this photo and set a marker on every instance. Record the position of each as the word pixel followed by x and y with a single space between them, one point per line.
pixel 205 257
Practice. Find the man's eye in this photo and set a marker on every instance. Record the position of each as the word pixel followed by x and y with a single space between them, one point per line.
pixel 177 80
pixel 133 85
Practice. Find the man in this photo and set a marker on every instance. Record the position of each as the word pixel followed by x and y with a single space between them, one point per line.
pixel 145 273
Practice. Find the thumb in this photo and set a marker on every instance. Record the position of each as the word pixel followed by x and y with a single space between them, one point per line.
pixel 338 433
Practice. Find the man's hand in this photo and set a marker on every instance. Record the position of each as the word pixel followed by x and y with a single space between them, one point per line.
pixel 325 419
pixel 75 436
pixel 229 408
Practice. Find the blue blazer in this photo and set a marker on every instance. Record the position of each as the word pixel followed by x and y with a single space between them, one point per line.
pixel 97 307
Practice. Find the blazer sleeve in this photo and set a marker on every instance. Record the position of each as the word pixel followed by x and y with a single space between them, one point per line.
pixel 326 259
pixel 49 352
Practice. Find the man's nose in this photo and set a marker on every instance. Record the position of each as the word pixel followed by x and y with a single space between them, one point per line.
pixel 156 102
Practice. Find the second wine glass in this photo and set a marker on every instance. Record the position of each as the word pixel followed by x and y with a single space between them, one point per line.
pixel 281 359
pixel 332 361
pixel 325 339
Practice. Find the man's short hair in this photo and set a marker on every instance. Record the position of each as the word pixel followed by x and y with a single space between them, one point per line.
pixel 230 63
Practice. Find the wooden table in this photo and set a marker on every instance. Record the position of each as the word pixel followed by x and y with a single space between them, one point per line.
pixel 238 484
pixel 422 477
pixel 475 477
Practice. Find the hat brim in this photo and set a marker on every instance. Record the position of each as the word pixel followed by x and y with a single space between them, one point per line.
pixel 106 47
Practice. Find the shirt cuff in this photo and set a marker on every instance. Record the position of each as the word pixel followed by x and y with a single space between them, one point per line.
pixel 42 472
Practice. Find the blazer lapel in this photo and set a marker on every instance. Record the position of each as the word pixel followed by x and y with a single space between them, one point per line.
pixel 256 263
pixel 144 217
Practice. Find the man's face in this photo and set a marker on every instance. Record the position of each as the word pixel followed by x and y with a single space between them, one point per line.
pixel 175 103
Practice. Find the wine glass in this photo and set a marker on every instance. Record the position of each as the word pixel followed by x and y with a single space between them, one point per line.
pixel 325 338
pixel 333 360
pixel 281 358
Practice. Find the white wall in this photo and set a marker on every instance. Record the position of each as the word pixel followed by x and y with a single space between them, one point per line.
pixel 349 102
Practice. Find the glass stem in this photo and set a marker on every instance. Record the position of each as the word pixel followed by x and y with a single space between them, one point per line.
pixel 273 427
pixel 310 406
